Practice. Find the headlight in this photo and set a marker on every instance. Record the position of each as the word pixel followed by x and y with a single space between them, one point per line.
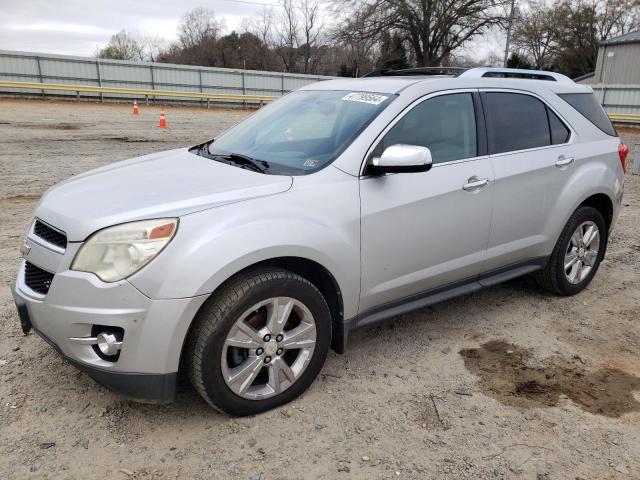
pixel 117 252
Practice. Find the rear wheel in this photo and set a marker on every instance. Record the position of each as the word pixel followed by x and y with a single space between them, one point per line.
pixel 577 254
pixel 259 342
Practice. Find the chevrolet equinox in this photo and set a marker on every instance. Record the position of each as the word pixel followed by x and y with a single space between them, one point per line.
pixel 242 260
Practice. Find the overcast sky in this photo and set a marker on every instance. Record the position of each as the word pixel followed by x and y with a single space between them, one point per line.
pixel 79 27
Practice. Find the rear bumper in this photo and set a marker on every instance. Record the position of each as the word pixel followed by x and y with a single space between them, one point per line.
pixel 153 387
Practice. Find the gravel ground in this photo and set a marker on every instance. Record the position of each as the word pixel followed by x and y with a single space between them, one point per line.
pixel 510 382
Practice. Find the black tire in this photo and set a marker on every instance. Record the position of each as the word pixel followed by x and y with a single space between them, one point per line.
pixel 218 315
pixel 552 277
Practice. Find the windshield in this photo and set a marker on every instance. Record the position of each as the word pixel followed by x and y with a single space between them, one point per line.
pixel 298 134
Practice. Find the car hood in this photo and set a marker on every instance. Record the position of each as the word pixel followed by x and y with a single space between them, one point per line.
pixel 166 184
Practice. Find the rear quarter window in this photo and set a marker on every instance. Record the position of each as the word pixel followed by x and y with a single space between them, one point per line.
pixel 588 106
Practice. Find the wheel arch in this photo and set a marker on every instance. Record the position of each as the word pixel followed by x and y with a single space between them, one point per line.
pixel 603 203
pixel 312 271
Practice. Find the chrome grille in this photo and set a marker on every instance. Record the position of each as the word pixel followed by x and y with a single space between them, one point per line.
pixel 50 234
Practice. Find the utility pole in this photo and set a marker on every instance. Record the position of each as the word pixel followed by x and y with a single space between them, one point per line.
pixel 509 26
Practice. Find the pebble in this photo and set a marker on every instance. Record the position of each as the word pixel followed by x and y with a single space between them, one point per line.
pixel 446 350
pixel 46 445
pixel 85 444
pixel 3 363
pixel 252 442
pixel 126 471
pixel 464 392
pixel 365 458
pixel 344 468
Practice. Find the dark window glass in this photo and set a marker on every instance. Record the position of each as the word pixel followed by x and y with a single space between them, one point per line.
pixel 559 131
pixel 588 106
pixel 445 124
pixel 515 122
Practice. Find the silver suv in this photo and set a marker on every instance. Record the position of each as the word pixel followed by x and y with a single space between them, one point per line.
pixel 241 261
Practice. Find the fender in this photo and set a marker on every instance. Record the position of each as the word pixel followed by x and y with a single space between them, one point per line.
pixel 588 177
pixel 212 245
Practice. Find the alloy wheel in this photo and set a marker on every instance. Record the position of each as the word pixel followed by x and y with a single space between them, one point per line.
pixel 582 252
pixel 268 348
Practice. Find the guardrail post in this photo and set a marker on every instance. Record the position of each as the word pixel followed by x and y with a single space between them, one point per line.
pixel 40 74
pixel 153 84
pixel 77 95
pixel 201 91
pixel 244 91
pixel 635 168
pixel 99 78
pixel 282 84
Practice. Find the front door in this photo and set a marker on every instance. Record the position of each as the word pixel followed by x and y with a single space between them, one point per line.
pixel 422 231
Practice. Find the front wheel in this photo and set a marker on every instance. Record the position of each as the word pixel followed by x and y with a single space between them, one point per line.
pixel 577 254
pixel 259 342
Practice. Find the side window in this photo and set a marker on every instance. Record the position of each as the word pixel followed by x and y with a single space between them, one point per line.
pixel 559 131
pixel 589 107
pixel 515 122
pixel 445 124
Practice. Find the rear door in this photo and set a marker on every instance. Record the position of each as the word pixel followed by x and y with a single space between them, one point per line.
pixel 527 143
pixel 421 231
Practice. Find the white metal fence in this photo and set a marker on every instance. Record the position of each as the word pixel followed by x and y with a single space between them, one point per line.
pixel 620 99
pixel 59 69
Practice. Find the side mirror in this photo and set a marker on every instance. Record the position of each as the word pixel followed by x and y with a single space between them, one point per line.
pixel 401 159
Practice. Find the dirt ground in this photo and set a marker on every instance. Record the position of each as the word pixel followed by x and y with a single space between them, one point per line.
pixel 510 382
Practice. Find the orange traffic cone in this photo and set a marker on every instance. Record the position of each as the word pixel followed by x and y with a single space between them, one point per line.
pixel 163 120
pixel 135 108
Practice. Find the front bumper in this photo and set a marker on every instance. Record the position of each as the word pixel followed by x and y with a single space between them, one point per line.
pixel 154 330
pixel 135 386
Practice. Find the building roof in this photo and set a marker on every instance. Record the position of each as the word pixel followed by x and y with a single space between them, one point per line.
pixel 627 38
pixel 584 77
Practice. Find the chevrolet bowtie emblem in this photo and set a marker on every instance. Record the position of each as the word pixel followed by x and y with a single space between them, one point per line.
pixel 24 250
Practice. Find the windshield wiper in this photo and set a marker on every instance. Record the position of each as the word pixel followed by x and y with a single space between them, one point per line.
pixel 244 160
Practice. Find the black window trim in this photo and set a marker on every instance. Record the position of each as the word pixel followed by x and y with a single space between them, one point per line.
pixel 572 133
pixel 473 91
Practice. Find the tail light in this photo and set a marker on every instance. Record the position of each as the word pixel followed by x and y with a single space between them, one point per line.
pixel 623 151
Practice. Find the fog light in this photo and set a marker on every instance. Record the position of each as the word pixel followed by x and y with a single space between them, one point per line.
pixel 108 343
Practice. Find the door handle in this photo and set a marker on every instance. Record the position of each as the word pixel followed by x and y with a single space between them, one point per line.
pixel 564 161
pixel 475 183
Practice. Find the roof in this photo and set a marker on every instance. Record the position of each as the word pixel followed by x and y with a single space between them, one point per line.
pixel 627 38
pixel 471 78
pixel 391 85
pixel 584 77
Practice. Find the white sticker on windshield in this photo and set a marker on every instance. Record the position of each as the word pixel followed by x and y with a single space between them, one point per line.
pixel 372 98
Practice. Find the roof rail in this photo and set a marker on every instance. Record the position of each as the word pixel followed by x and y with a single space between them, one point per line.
pixel 485 72
pixel 418 71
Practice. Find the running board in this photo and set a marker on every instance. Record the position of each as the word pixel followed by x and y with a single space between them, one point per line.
pixel 421 300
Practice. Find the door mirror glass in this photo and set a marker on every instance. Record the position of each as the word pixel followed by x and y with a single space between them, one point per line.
pixel 401 159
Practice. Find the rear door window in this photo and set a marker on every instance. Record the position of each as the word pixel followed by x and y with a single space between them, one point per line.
pixel 588 106
pixel 515 121
pixel 559 131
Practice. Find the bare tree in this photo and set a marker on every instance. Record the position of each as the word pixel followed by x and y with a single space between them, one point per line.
pixel 433 28
pixel 311 27
pixel 198 26
pixel 356 35
pixel 287 35
pixel 536 33
pixel 122 46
